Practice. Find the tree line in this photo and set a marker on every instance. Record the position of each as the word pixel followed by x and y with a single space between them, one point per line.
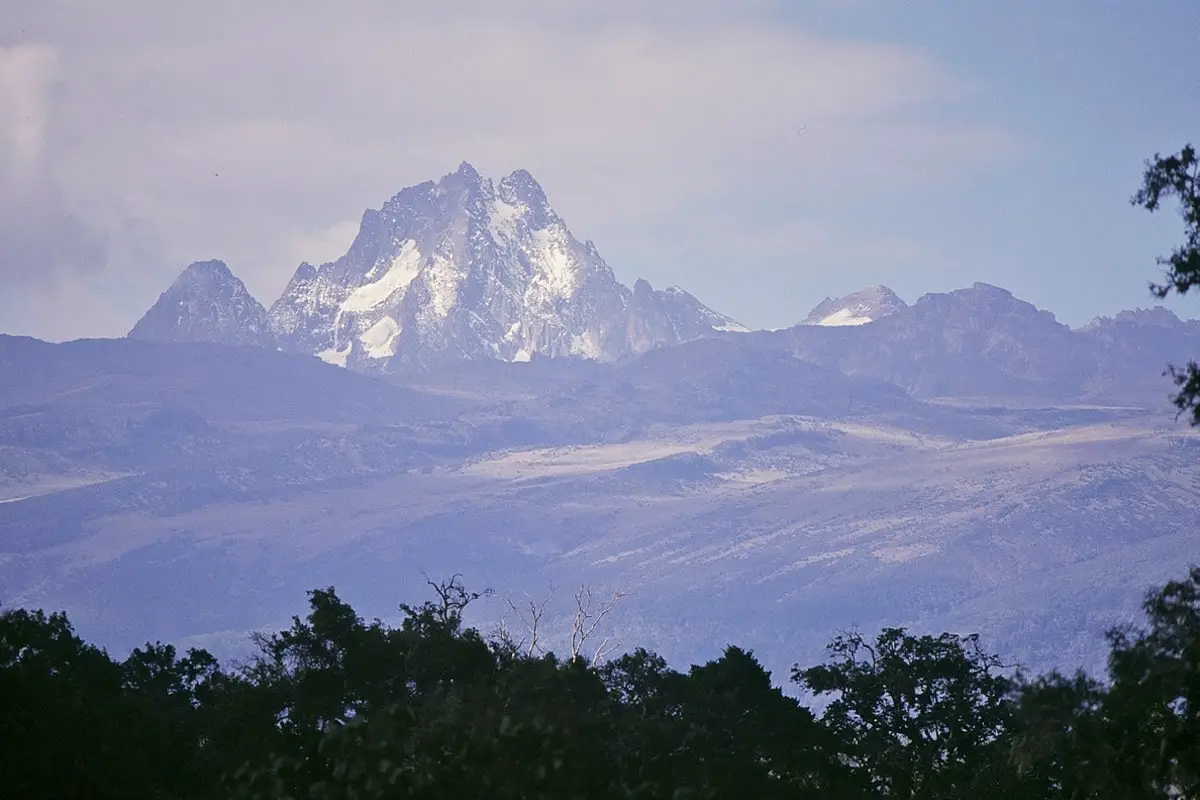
pixel 338 707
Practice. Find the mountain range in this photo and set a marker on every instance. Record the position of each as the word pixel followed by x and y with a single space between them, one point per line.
pixel 460 268
pixel 464 269
pixel 469 389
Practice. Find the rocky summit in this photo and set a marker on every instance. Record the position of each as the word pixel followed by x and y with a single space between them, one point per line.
pixel 463 268
pixel 206 303
pixel 868 305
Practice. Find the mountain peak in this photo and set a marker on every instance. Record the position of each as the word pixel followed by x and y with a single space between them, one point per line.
pixel 464 268
pixel 211 270
pixel 521 186
pixel 305 271
pixel 866 305
pixel 206 303
pixel 988 288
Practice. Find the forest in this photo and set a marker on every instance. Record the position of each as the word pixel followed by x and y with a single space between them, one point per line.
pixel 335 706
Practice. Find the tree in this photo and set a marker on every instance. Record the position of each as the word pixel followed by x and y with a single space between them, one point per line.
pixel 1060 743
pixel 1138 735
pixel 78 724
pixel 919 717
pixel 1155 692
pixel 428 710
pixel 587 620
pixel 747 739
pixel 1178 176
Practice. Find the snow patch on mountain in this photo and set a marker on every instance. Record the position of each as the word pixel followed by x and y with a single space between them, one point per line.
pixel 400 274
pixel 844 316
pixel 380 339
pixel 331 355
pixel 502 221
pixel 870 304
pixel 443 278
pixel 554 275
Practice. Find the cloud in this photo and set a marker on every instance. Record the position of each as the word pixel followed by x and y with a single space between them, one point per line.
pixel 232 129
pixel 41 237
pixel 319 246
pixel 25 72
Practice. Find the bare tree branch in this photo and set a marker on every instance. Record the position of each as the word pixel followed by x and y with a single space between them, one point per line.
pixel 587 619
pixel 453 598
pixel 530 644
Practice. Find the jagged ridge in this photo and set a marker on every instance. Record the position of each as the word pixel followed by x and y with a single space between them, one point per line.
pixel 463 268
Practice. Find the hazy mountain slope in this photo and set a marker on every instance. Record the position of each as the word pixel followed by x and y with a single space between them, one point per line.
pixel 231 384
pixel 1135 347
pixel 984 344
pixel 766 488
pixel 772 533
pixel 92 410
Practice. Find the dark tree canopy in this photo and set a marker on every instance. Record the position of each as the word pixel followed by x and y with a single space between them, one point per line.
pixel 338 707
pixel 1178 176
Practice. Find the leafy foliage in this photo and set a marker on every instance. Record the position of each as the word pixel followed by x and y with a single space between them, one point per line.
pixel 1178 176
pixel 336 707
pixel 917 717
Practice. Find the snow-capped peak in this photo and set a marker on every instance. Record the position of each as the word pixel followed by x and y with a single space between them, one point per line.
pixel 467 268
pixel 859 308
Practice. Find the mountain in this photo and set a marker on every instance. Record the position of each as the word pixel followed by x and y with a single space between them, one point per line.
pixel 980 341
pixel 1139 343
pixel 983 344
pixel 192 492
pixel 868 305
pixel 463 268
pixel 206 303
pixel 671 316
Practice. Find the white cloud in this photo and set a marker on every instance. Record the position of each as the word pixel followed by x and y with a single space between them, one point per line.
pixel 229 127
pixel 42 236
pixel 25 75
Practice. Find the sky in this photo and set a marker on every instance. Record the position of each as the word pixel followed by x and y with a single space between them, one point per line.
pixel 943 142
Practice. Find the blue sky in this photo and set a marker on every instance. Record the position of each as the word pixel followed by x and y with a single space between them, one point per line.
pixel 1094 89
pixel 944 143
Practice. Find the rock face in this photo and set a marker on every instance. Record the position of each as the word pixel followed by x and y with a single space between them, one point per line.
pixel 974 342
pixel 206 303
pixel 982 342
pixel 868 305
pixel 463 268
